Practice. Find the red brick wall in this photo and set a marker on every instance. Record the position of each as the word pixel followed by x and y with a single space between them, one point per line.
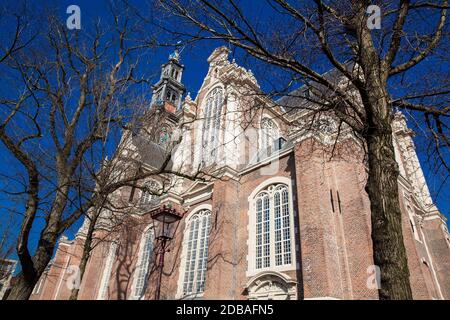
pixel 335 245
pixel 419 287
pixel 55 285
pixel 440 253
pixel 332 215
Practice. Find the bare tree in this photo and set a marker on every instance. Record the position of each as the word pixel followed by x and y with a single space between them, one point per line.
pixel 75 92
pixel 372 65
pixel 6 243
pixel 125 171
pixel 17 23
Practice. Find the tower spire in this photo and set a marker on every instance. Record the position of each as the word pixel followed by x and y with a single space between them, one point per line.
pixel 168 91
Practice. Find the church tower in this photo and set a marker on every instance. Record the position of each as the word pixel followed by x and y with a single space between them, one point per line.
pixel 168 91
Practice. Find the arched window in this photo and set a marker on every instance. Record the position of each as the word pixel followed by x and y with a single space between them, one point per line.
pixel 149 193
pixel 269 133
pixel 211 125
pixel 104 283
pixel 196 252
pixel 271 229
pixel 142 267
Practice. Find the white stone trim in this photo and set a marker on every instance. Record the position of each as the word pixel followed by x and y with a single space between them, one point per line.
pixel 138 263
pixel 266 161
pixel 251 228
pixel 276 286
pixel 267 183
pixel 107 270
pixel 38 287
pixel 63 273
pixel 181 268
pixel 198 199
pixel 265 115
pixel 433 271
pixel 433 217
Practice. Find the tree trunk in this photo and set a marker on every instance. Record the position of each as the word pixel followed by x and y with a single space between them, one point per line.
pixel 87 248
pixel 24 283
pixel 84 258
pixel 382 187
pixel 82 268
pixel 21 289
pixel 389 252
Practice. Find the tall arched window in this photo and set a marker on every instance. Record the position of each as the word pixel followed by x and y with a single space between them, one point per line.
pixel 269 132
pixel 272 232
pixel 196 252
pixel 143 265
pixel 211 125
pixel 106 275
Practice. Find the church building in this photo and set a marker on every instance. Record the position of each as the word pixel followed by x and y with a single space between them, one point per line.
pixel 267 203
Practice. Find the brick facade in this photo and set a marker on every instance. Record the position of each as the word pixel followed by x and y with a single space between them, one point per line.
pixel 331 227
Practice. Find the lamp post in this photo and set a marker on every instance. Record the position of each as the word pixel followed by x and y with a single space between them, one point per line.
pixel 165 220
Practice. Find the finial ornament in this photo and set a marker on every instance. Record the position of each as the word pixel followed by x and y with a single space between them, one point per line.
pixel 175 55
pixel 219 55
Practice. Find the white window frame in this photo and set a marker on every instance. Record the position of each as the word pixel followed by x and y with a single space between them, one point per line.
pixel 149 231
pixel 251 228
pixel 213 107
pixel 264 134
pixel 107 270
pixel 182 268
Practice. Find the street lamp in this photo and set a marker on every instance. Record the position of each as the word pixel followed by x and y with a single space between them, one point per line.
pixel 165 220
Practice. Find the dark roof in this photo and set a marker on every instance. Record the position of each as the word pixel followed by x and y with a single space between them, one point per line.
pixel 296 99
pixel 150 152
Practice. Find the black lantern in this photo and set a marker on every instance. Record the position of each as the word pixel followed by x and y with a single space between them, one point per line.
pixel 165 220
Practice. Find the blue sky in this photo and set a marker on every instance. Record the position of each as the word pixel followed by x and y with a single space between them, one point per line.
pixel 194 59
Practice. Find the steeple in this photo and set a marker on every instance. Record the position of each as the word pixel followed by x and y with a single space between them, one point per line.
pixel 169 90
